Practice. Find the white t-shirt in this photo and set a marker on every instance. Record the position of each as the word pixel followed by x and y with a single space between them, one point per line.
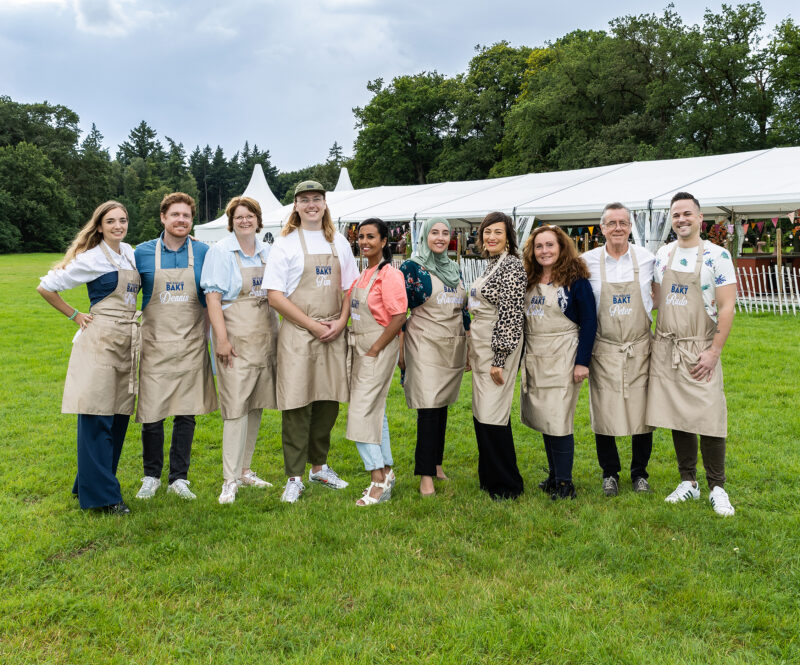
pixel 285 262
pixel 622 271
pixel 88 266
pixel 717 269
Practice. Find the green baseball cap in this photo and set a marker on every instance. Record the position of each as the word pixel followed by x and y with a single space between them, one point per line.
pixel 308 186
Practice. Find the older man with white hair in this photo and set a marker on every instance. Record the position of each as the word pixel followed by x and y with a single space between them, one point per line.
pixel 621 275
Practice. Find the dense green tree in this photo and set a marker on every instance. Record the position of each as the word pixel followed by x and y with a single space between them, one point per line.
pixel 784 59
pixel 402 128
pixel 92 180
pixel 142 142
pixel 34 200
pixel 486 94
pixel 52 128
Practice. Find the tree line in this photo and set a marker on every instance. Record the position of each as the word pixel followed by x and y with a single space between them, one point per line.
pixel 650 87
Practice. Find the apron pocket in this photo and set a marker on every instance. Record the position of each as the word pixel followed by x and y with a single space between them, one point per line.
pixel 253 350
pixel 446 352
pixel 548 371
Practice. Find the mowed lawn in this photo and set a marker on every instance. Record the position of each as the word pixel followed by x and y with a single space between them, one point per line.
pixel 452 579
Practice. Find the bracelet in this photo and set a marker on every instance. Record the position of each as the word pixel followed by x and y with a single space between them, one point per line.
pixel 74 314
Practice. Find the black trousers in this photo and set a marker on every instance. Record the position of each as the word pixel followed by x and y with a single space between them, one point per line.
pixel 713 449
pixel 608 457
pixel 560 452
pixel 431 428
pixel 180 449
pixel 497 461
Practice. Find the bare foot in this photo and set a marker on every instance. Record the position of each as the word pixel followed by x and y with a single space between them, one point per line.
pixel 440 475
pixel 426 487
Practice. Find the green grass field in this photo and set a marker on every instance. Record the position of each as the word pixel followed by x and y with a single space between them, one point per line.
pixel 453 579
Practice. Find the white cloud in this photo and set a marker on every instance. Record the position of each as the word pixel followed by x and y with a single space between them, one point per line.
pixel 112 18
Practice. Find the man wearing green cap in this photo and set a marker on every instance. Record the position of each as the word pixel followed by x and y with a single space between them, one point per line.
pixel 308 269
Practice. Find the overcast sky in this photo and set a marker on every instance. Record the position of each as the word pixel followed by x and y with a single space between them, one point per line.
pixel 284 75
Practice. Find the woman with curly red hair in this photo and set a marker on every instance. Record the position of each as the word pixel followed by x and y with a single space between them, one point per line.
pixel 560 326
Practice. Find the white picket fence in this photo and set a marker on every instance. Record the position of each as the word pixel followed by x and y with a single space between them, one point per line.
pixel 768 289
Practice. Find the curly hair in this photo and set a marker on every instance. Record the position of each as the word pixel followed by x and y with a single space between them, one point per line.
pixel 569 267
pixel 91 234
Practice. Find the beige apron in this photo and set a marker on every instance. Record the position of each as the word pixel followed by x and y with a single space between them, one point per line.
pixel 101 377
pixel 175 376
pixel 371 377
pixel 252 331
pixel 310 370
pixel 491 404
pixel 683 330
pixel 620 363
pixel 435 348
pixel 548 395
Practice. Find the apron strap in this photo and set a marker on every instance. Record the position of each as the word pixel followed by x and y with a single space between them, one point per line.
pixel 677 349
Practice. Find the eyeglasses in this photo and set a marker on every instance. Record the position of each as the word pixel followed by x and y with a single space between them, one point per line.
pixel 614 225
pixel 241 218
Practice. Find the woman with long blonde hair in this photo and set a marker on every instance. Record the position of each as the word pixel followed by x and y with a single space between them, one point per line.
pixel 560 326
pixel 101 379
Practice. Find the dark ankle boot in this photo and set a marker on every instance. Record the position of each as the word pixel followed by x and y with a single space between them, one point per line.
pixel 548 485
pixel 564 490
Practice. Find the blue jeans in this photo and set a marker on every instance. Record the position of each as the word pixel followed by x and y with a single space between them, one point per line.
pixel 377 456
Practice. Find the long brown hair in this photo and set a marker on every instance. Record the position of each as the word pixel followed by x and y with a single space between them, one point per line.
pixel 91 234
pixel 569 267
pixel 327 222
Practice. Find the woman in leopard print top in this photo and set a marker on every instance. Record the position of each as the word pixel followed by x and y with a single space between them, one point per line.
pixel 496 303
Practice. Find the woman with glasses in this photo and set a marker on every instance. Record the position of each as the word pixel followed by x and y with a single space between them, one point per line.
pixel 245 340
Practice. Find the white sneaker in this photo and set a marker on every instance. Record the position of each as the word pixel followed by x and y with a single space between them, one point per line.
pixel 250 479
pixel 293 490
pixel 229 489
pixel 181 488
pixel 722 504
pixel 684 491
pixel 149 486
pixel 327 477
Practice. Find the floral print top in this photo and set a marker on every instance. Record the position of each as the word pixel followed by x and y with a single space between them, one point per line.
pixel 419 287
pixel 717 269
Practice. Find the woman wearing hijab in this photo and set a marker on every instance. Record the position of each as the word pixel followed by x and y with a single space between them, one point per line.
pixel 434 351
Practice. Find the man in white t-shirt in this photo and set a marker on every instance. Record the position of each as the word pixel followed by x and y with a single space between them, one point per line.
pixel 696 296
pixel 309 268
pixel 618 374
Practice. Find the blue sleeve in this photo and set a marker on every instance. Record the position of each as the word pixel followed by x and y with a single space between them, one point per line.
pixel 145 255
pixel 200 250
pixel 217 273
pixel 102 286
pixel 584 312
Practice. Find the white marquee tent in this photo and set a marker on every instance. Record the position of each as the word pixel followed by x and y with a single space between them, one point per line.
pixel 761 183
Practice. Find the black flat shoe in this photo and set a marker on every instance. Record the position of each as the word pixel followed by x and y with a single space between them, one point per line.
pixel 116 509
pixel 564 490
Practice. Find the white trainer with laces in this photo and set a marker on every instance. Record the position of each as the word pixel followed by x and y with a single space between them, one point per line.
pixel 684 491
pixel 250 479
pixel 149 486
pixel 294 488
pixel 720 501
pixel 327 477
pixel 181 488
pixel 229 489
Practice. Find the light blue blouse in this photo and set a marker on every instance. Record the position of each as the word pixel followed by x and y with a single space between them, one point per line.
pixel 221 271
